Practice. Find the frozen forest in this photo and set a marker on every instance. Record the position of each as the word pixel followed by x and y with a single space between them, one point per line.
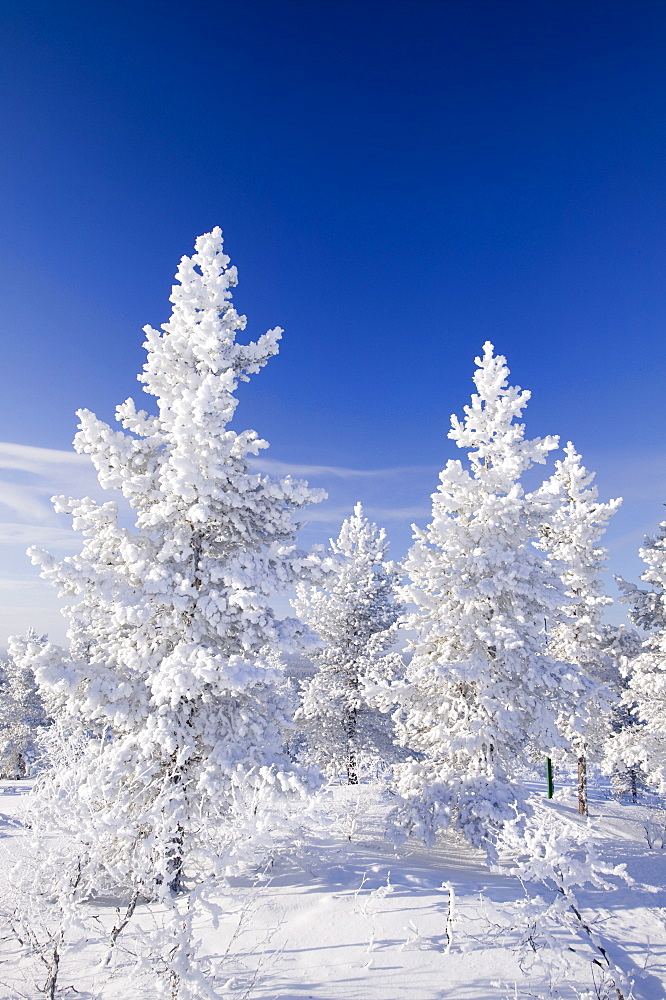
pixel 438 777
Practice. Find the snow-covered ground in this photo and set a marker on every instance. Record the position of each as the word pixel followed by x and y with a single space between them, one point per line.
pixel 341 914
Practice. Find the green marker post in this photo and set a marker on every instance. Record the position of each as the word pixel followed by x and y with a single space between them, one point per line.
pixel 549 777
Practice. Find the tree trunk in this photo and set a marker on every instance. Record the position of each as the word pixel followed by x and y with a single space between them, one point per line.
pixel 350 730
pixel 352 762
pixel 174 846
pixel 53 964
pixel 175 862
pixel 582 786
pixel 352 767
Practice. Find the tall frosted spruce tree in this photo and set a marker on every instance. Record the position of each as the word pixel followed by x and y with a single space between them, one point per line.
pixel 169 622
pixel 484 691
pixel 354 613
pixel 643 745
pixel 571 537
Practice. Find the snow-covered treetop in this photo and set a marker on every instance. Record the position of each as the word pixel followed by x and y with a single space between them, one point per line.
pixel 358 599
pixel 189 459
pixel 360 536
pixel 193 369
pixel 200 343
pixel 499 453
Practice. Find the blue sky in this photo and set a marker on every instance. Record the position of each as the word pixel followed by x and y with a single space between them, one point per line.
pixel 396 182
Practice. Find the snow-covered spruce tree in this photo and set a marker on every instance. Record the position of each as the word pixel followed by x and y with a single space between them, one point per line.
pixel 571 537
pixel 354 614
pixel 622 645
pixel 22 714
pixel 484 692
pixel 170 622
pixel 644 745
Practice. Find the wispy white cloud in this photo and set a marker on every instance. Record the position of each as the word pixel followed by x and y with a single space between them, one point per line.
pixel 275 468
pixel 13 533
pixel 27 458
pixel 29 502
pixel 30 476
pixel 399 513
pixel 12 585
pixel 335 515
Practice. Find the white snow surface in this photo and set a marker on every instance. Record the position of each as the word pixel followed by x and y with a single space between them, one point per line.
pixel 338 913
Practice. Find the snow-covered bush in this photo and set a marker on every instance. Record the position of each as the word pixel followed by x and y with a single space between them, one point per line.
pixel 484 690
pixel 23 717
pixel 170 622
pixel 555 860
pixel 354 614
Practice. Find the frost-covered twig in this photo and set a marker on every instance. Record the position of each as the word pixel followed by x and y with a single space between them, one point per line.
pixel 118 928
pixel 450 915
